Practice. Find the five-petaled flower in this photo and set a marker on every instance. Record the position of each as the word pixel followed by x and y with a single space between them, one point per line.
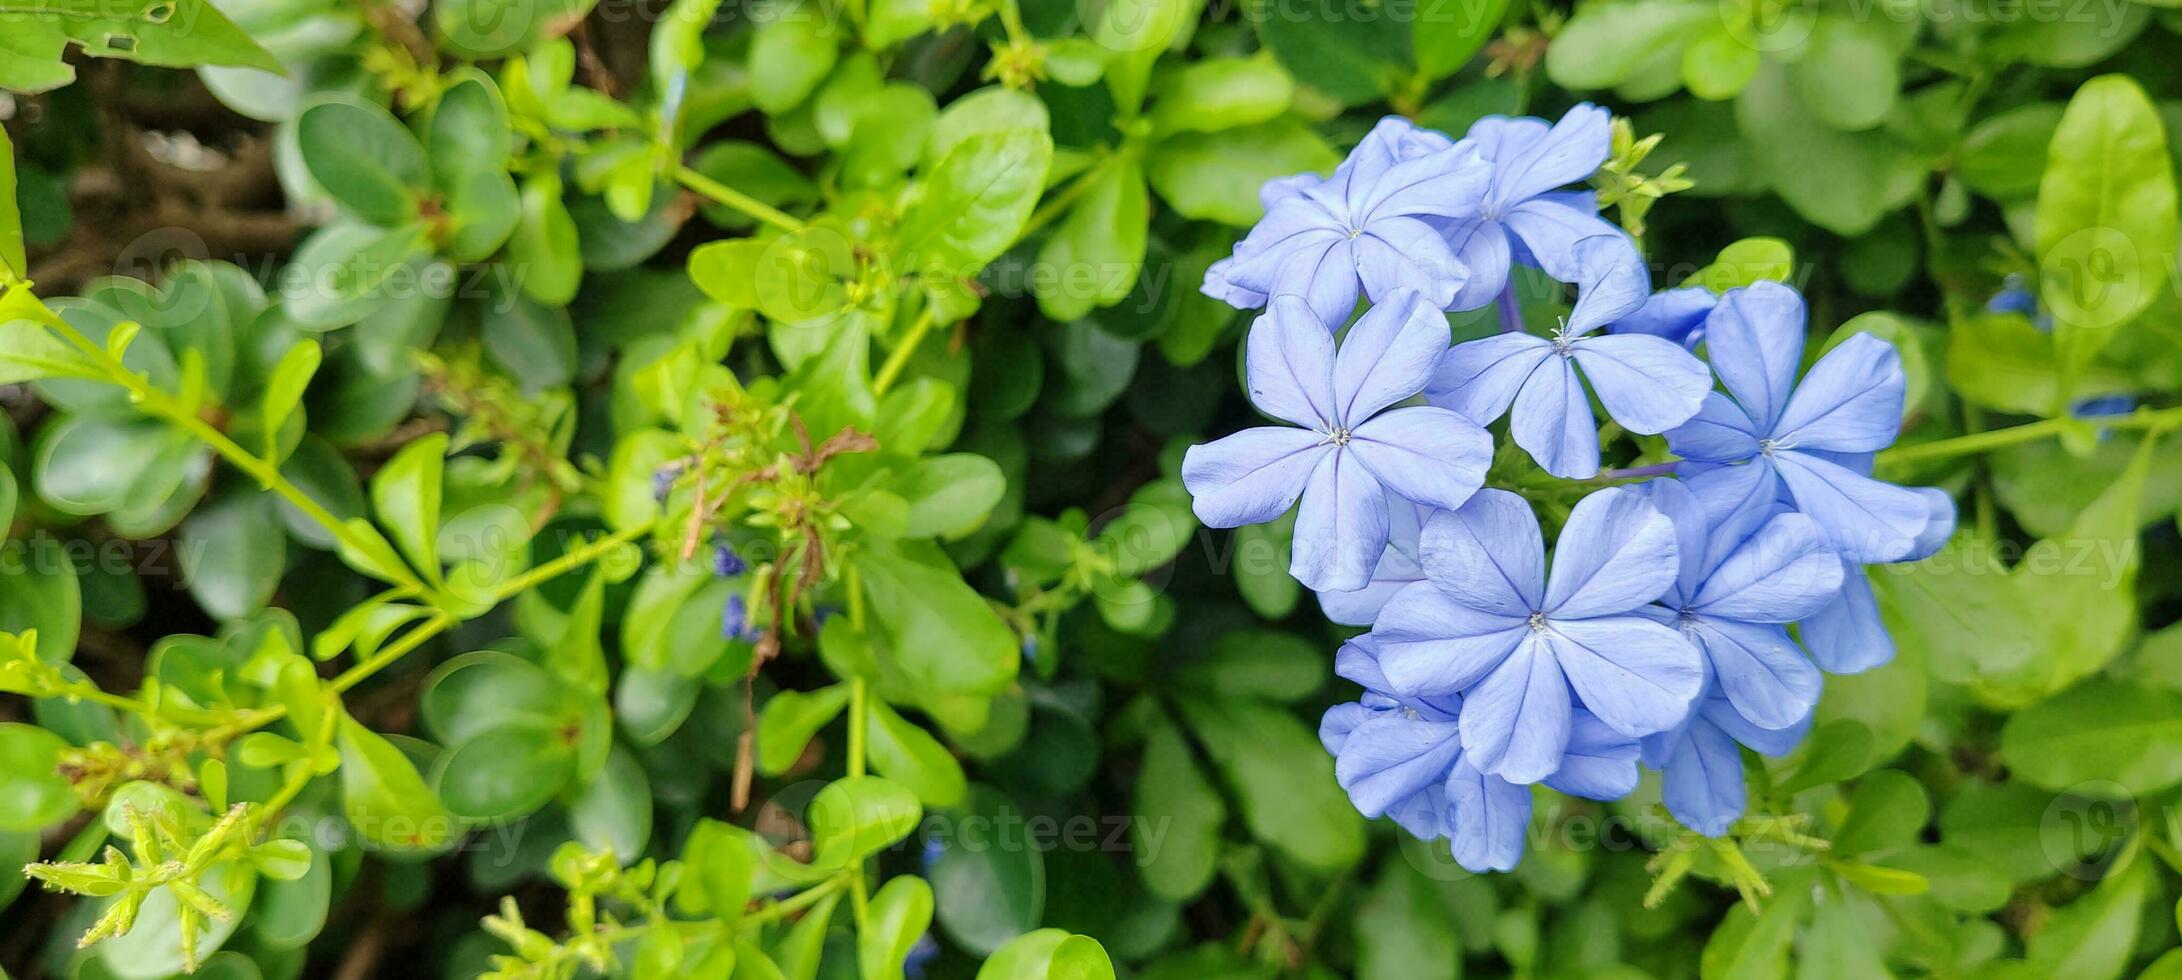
pixel 1647 383
pixel 1349 452
pixel 1523 216
pixel 1362 227
pixel 1807 442
pixel 1521 648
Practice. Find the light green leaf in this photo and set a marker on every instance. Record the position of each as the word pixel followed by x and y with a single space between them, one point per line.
pixel 406 495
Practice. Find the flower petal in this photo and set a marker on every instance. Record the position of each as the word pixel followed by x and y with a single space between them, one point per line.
pixel 1675 499
pixel 1338 721
pixel 1850 401
pixel 1755 338
pixel 1430 645
pixel 1387 356
pixel 1549 228
pixel 1341 528
pixel 1720 432
pixel 1391 757
pixel 1639 677
pixel 1480 378
pixel 1552 421
pixel 1611 282
pixel 1601 763
pixel 1846 635
pixel 1404 253
pixel 1674 315
pixel 1783 572
pixel 1449 183
pixel 1252 476
pixel 1741 496
pixel 1616 552
pixel 1762 673
pixel 1647 384
pixel 1571 151
pixel 1515 723
pixel 1487 555
pixel 1703 781
pixel 1764 741
pixel 1218 286
pixel 1430 456
pixel 1865 519
pixel 1289 360
pixel 1489 818
pixel 1481 245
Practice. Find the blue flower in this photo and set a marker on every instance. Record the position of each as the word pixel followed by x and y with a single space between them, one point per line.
pixel 1804 442
pixel 1350 453
pixel 1521 649
pixel 1677 315
pixel 1740 579
pixel 1398 566
pixel 1402 758
pixel 1647 384
pixel 726 562
pixel 1523 217
pixel 1701 767
pixel 735 620
pixel 1846 635
pixel 1362 227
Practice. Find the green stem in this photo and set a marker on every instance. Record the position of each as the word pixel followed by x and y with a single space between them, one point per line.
pixel 1060 202
pixel 1978 442
pixel 572 560
pixel 899 357
pixel 736 199
pixel 795 903
pixel 416 637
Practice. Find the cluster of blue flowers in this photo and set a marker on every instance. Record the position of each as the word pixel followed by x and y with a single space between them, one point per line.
pixel 1660 633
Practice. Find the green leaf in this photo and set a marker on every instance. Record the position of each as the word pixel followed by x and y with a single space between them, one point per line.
pixel 284 391
pixel 909 755
pixel 503 773
pixel 1718 64
pixel 854 818
pixel 469 133
pixel 13 266
pixel 2004 156
pixel 1350 57
pixel 790 719
pixel 972 204
pixel 340 274
pixel 1606 43
pixel 33 793
pixel 794 49
pixel 365 159
pixel 987 894
pixel 1222 93
pixel 1134 33
pixel 2106 225
pixel 1180 815
pixel 1216 176
pixel 1849 73
pixel 406 495
pixel 1888 809
pixel 2104 731
pixel 890 22
pixel 942 638
pixel 1842 182
pixel 1048 954
pixel 543 250
pixel 1281 778
pixel 385 800
pixel 1094 258
pixel 1402 930
pixel 1442 44
pixel 898 915
pixel 2092 937
pixel 950 494
pixel 613 810
pixel 170 33
pixel 230 563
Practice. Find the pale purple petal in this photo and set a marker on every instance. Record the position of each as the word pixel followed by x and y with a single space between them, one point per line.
pixel 1218 286
pixel 1703 781
pixel 1515 722
pixel 1387 356
pixel 1769 681
pixel 1570 152
pixel 1252 476
pixel 1611 282
pixel 1850 401
pixel 1675 315
pixel 1481 246
pixel 1338 721
pixel 1638 676
pixel 1429 456
pixel 1601 763
pixel 1846 636
pixel 1447 184
pixel 1289 360
pixel 1548 229
pixel 1755 338
pixel 1647 384
pixel 1430 645
pixel 1552 421
pixel 1404 253
pixel 1720 432
pixel 1490 817
pixel 1782 572
pixel 1488 555
pixel 1480 378
pixel 1615 553
pixel 1392 757
pixel 1866 520
pixel 1341 528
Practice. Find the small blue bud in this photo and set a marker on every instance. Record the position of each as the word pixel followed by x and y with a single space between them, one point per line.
pixel 726 563
pixel 735 619
pixel 822 613
pixel 663 481
pixel 921 955
pixel 1030 649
